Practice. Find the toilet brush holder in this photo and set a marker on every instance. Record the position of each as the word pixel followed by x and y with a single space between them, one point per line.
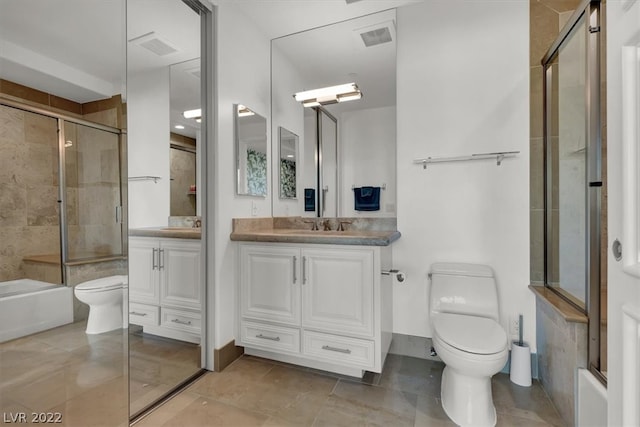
pixel 520 371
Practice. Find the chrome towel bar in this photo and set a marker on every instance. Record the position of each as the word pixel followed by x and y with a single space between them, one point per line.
pixel 499 156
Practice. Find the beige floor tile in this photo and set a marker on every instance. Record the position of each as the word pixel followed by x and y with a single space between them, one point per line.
pixel 202 412
pixel 168 410
pixel 413 375
pixel 530 403
pixel 103 406
pixel 339 412
pixel 401 403
pixel 429 412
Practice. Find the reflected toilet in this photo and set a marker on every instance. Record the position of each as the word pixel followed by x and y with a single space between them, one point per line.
pixel 104 297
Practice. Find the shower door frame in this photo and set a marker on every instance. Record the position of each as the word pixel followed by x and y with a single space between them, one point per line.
pixel 590 9
pixel 61 119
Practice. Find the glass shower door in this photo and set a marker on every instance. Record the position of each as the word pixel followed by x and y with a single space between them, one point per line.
pixel 567 168
pixel 93 196
pixel 574 256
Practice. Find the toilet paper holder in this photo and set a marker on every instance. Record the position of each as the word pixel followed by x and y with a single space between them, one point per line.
pixel 399 274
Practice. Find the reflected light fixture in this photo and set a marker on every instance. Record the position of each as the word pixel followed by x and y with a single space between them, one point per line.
pixel 193 114
pixel 329 95
pixel 244 111
pixel 179 127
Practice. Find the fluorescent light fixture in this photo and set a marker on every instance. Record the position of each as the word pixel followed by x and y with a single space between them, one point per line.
pixel 244 111
pixel 179 127
pixel 329 95
pixel 290 156
pixel 192 114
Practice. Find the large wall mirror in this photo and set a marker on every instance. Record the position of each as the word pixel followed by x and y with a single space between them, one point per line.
pixel 164 95
pixel 63 189
pixel 251 151
pixel 343 145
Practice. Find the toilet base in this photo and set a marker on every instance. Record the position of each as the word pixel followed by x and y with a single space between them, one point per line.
pixel 467 400
pixel 104 318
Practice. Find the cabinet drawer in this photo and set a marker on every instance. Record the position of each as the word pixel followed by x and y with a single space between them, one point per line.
pixel 345 350
pixel 181 320
pixel 272 337
pixel 143 314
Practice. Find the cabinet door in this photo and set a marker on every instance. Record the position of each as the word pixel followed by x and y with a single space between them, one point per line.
pixel 269 283
pixel 180 284
pixel 143 270
pixel 338 294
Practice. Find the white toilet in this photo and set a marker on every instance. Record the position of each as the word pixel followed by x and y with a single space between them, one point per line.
pixel 104 297
pixel 467 335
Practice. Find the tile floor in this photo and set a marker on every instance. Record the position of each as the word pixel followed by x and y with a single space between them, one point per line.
pixel 85 378
pixel 259 392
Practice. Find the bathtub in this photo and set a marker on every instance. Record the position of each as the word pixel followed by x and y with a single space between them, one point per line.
pixel 28 306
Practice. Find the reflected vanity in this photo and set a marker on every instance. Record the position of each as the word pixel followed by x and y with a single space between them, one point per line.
pixel 251 151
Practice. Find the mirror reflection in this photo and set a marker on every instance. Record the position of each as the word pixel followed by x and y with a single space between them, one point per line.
pixel 251 151
pixel 165 284
pixel 63 336
pixel 184 96
pixel 348 131
pixel 288 164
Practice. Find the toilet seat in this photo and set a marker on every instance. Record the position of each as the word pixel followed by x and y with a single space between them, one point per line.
pixel 470 334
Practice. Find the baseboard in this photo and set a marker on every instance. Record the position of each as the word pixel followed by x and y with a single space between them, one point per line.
pixel 420 347
pixel 224 356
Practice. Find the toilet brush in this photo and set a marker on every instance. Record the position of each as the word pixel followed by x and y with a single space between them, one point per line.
pixel 520 328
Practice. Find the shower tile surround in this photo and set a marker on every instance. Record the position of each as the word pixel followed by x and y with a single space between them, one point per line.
pixel 29 214
pixel 561 331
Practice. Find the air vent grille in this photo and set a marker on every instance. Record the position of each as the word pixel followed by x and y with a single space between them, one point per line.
pixel 155 44
pixel 376 37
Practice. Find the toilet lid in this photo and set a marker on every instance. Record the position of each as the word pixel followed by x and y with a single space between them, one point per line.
pixel 103 284
pixel 472 334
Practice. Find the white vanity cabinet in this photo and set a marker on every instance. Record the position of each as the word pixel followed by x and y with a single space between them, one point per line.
pixel 323 306
pixel 165 286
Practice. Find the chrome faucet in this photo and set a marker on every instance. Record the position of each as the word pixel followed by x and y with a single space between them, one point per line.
pixel 314 224
pixel 341 225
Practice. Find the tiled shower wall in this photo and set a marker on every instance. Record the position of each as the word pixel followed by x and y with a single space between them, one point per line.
pixel 28 189
pixel 547 17
pixel 29 181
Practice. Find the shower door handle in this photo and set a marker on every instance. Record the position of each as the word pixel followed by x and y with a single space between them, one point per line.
pixel 118 214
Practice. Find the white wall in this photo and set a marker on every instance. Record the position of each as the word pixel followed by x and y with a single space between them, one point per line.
pixel 463 88
pixel 367 145
pixel 148 147
pixel 623 29
pixel 243 78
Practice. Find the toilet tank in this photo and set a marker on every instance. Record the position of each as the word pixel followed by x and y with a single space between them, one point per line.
pixel 463 289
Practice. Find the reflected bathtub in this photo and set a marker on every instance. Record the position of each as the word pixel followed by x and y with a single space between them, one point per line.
pixel 28 306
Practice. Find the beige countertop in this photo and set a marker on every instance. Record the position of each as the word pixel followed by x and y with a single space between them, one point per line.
pixel 290 230
pixel 167 232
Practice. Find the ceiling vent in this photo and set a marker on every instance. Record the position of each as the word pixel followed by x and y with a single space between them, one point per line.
pixel 377 34
pixel 151 41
